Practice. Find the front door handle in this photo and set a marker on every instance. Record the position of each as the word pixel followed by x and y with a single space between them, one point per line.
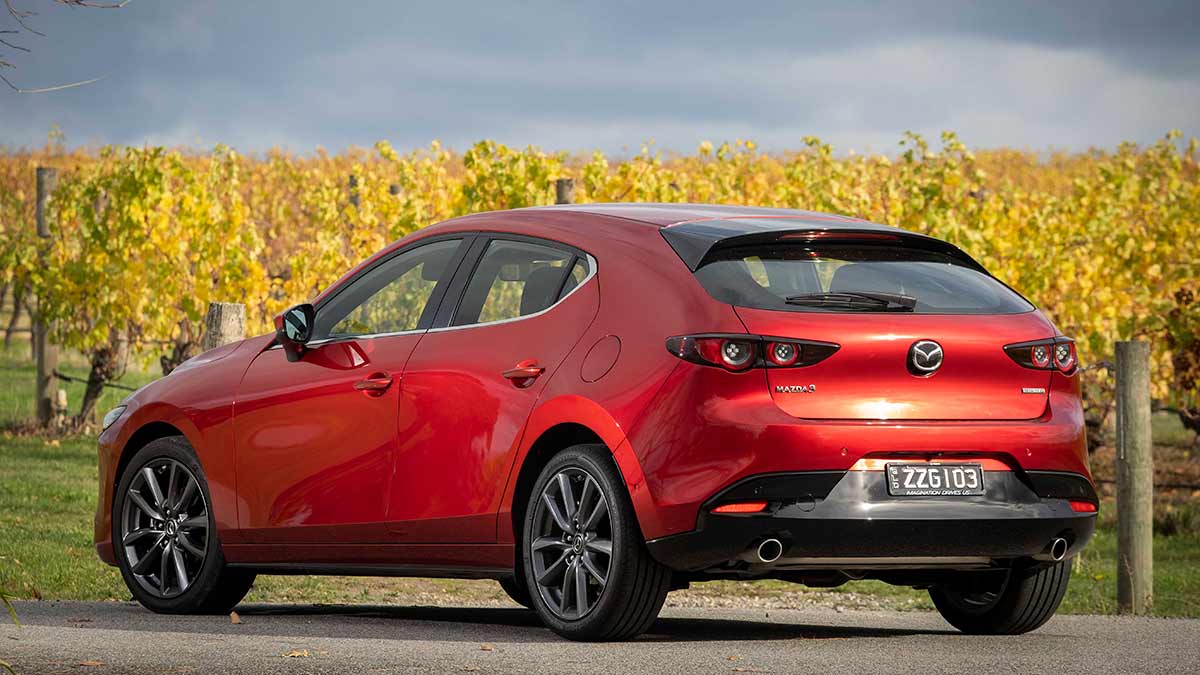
pixel 375 384
pixel 524 374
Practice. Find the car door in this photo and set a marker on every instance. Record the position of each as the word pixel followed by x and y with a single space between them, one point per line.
pixel 474 378
pixel 316 438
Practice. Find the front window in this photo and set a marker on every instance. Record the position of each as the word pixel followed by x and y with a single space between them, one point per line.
pixel 841 277
pixel 391 298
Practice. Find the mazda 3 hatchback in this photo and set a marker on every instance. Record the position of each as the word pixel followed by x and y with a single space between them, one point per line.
pixel 597 404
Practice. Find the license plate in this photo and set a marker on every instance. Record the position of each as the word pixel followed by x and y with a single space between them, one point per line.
pixel 934 480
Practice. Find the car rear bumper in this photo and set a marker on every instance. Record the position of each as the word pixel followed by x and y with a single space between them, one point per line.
pixel 847 520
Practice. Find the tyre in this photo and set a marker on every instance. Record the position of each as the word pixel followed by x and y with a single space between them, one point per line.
pixel 1009 603
pixel 517 591
pixel 586 564
pixel 165 536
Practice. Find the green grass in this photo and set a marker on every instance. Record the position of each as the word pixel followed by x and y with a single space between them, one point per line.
pixel 48 493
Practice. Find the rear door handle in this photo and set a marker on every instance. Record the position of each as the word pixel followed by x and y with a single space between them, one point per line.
pixel 524 374
pixel 375 384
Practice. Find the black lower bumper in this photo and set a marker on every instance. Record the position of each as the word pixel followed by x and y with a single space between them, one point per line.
pixel 845 520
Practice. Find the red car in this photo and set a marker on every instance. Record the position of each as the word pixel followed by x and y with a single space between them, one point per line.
pixel 597 404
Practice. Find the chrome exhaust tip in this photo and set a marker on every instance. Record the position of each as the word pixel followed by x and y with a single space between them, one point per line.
pixel 1055 551
pixel 1058 549
pixel 769 550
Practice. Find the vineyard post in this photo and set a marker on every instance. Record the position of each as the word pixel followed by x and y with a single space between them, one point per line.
pixel 225 323
pixel 354 191
pixel 1135 480
pixel 564 191
pixel 45 353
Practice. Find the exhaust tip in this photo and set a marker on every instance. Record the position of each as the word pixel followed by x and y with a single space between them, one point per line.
pixel 1058 549
pixel 770 550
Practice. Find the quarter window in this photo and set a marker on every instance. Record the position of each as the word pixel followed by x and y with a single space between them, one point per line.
pixel 515 279
pixel 391 298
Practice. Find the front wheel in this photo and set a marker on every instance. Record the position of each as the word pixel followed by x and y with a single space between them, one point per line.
pixel 1003 603
pixel 165 535
pixel 586 564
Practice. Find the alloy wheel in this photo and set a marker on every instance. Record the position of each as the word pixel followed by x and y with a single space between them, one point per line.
pixel 571 546
pixel 164 527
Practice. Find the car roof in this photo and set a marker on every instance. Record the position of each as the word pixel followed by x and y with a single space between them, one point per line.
pixel 669 214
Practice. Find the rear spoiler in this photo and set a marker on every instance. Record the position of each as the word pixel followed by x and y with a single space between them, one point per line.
pixel 694 241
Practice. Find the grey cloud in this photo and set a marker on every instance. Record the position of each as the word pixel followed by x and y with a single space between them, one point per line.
pixel 610 75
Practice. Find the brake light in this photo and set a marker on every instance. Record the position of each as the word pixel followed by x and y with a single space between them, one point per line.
pixel 741 507
pixel 1080 506
pixel 739 353
pixel 1049 354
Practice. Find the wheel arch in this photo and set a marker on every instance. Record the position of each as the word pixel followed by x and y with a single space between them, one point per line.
pixel 140 438
pixel 556 425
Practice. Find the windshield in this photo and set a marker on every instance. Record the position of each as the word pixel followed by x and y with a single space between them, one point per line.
pixel 819 277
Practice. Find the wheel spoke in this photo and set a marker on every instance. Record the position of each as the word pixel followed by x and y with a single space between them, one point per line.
pixel 581 603
pixel 589 491
pixel 568 584
pixel 559 519
pixel 549 542
pixel 190 546
pixel 171 486
pixel 138 534
pixel 196 522
pixel 553 571
pixel 592 569
pixel 144 565
pixel 599 512
pixel 140 502
pixel 189 491
pixel 568 495
pixel 164 567
pixel 601 545
pixel 152 483
pixel 180 568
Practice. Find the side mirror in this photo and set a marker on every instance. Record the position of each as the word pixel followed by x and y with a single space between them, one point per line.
pixel 293 329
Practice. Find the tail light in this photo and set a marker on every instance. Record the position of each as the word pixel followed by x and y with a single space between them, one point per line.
pixel 1050 354
pixel 737 353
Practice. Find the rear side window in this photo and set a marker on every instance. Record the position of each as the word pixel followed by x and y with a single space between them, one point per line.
pixel 514 279
pixel 767 276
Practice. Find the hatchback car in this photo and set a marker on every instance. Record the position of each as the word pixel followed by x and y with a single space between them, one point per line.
pixel 597 404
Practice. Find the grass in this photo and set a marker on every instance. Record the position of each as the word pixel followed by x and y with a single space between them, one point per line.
pixel 48 493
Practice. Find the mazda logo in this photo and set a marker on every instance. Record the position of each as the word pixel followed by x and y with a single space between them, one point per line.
pixel 924 357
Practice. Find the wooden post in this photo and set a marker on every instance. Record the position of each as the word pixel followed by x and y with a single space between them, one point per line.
pixel 225 323
pixel 564 191
pixel 354 191
pixel 45 354
pixel 1135 480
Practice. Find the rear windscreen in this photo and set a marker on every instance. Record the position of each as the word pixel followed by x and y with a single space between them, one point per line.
pixel 766 276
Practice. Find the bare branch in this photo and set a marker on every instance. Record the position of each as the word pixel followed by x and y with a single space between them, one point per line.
pixel 42 90
pixel 19 16
pixel 94 5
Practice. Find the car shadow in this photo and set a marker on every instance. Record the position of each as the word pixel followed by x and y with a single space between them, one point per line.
pixel 422 623
pixel 505 620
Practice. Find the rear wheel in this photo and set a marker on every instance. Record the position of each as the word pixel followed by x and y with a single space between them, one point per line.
pixel 585 561
pixel 1005 603
pixel 165 535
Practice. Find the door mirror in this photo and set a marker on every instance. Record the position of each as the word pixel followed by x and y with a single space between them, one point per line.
pixel 293 329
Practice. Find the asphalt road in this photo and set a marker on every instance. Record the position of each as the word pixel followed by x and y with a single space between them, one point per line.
pixel 123 638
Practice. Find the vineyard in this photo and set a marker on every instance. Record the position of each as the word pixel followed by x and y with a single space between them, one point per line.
pixel 142 239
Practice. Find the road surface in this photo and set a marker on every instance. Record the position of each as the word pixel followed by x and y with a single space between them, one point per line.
pixel 123 638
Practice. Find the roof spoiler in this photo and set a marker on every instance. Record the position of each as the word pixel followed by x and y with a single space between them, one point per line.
pixel 695 240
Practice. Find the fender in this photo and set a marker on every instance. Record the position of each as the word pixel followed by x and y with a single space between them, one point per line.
pixel 573 409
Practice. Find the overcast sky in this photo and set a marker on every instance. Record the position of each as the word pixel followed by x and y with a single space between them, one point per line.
pixel 609 75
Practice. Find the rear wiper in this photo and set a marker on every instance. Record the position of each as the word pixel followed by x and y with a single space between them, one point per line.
pixel 855 300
